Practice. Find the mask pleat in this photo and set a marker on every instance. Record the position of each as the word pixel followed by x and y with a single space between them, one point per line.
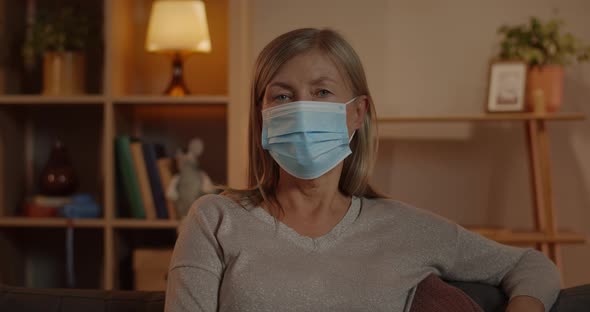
pixel 308 137
pixel 304 152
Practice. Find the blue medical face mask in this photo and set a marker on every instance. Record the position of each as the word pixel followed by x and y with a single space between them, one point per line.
pixel 306 138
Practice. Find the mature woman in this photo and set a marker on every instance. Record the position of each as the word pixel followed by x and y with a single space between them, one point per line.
pixel 311 234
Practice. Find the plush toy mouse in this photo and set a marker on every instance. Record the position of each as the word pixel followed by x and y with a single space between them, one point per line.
pixel 191 182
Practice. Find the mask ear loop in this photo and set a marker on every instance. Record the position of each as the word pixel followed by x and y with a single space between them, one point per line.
pixel 351 100
pixel 353 133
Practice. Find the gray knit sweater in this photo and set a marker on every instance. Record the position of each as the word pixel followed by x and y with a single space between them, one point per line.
pixel 234 258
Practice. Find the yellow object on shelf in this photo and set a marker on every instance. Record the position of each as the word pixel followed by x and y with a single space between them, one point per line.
pixel 539 101
pixel 151 268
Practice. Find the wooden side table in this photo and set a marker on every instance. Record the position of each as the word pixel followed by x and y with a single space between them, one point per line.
pixel 545 235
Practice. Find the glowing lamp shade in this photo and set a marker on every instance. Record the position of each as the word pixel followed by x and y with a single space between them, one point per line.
pixel 178 26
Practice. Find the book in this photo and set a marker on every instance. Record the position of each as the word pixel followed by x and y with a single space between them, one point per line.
pixel 151 165
pixel 51 201
pixel 165 170
pixel 145 189
pixel 123 206
pixel 126 170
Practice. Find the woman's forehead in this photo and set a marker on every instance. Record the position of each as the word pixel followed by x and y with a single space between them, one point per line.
pixel 312 67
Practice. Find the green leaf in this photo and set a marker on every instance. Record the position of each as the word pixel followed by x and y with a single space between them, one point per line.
pixel 540 43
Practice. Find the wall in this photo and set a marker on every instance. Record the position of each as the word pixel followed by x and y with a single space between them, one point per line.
pixel 428 57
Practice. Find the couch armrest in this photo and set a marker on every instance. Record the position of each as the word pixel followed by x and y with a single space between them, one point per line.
pixel 575 299
pixel 74 300
pixel 492 299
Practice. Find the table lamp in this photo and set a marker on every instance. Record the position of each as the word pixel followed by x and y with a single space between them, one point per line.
pixel 178 28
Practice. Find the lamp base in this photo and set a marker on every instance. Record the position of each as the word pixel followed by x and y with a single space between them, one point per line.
pixel 177 87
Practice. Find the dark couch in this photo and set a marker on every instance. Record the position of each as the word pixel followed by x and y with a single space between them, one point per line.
pixel 18 299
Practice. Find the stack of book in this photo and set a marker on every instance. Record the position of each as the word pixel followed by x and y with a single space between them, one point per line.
pixel 143 176
pixel 41 206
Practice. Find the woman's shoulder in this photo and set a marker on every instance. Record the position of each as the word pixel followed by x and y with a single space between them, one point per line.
pixel 213 206
pixel 220 200
pixel 387 207
pixel 393 216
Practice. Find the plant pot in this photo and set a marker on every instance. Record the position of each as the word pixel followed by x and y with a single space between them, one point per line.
pixel 63 73
pixel 545 83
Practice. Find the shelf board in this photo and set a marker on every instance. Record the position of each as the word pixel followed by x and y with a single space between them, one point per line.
pixel 145 224
pixel 485 117
pixel 99 99
pixel 43 99
pixel 507 236
pixel 26 222
pixel 162 99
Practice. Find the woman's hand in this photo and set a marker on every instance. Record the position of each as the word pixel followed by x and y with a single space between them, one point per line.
pixel 525 303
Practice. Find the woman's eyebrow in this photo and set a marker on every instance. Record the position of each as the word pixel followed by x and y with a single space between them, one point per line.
pixel 321 80
pixel 280 84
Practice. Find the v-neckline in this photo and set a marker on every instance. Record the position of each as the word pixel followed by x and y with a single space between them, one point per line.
pixel 311 243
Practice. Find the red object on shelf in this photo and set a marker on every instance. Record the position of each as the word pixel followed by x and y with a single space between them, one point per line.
pixel 37 211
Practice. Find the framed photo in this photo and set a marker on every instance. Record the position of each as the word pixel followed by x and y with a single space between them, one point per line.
pixel 506 87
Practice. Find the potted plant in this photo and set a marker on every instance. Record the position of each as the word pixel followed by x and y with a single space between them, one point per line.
pixel 59 37
pixel 546 50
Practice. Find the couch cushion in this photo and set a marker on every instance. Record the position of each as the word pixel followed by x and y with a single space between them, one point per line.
pixel 489 298
pixel 434 295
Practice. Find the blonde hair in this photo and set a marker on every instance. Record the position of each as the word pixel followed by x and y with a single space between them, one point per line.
pixel 263 170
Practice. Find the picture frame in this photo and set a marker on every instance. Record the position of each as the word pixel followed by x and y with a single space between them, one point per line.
pixel 506 87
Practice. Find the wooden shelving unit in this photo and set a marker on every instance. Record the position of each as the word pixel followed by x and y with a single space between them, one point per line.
pixel 191 99
pixel 24 222
pixel 99 99
pixel 486 117
pixel 545 236
pixel 531 237
pixel 54 100
pixel 128 101
pixel 142 224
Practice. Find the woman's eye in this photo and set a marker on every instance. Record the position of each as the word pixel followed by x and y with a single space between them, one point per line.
pixel 324 92
pixel 281 97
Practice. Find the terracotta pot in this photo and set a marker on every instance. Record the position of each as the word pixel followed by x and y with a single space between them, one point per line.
pixel 63 73
pixel 545 82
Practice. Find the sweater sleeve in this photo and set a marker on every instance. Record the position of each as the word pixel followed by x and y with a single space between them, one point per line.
pixel 195 269
pixel 519 271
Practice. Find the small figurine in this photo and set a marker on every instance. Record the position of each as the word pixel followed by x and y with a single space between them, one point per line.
pixel 191 182
pixel 58 177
